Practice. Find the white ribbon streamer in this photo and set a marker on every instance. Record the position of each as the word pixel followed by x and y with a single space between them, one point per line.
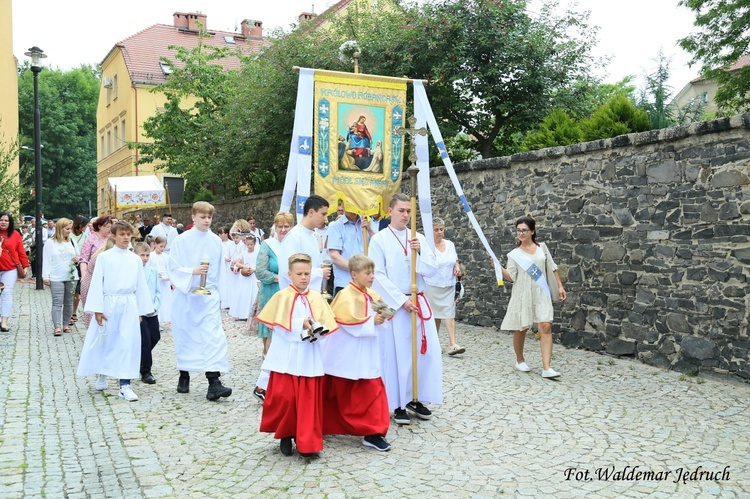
pixel 423 112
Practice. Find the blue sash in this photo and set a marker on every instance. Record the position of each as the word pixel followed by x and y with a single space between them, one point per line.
pixel 527 264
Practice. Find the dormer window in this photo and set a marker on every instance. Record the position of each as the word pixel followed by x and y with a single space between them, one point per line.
pixel 165 68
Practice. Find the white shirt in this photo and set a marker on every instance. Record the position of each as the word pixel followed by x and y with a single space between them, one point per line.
pixel 167 231
pixel 446 260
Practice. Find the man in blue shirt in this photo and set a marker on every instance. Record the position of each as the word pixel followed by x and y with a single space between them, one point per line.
pixel 345 239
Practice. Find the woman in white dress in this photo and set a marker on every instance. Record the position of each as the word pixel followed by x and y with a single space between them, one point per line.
pixel 239 232
pixel 441 287
pixel 226 245
pixel 530 300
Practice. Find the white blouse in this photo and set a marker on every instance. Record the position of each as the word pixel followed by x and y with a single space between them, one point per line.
pixel 446 261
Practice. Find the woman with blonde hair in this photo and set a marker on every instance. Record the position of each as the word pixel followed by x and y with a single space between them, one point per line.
pixel 60 256
pixel 267 272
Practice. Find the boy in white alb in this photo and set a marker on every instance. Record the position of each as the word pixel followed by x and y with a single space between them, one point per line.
pixel 199 340
pixel 293 406
pixel 390 249
pixel 159 260
pixel 150 334
pixel 354 393
pixel 117 297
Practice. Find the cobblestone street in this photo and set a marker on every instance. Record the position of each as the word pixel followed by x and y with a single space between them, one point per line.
pixel 500 432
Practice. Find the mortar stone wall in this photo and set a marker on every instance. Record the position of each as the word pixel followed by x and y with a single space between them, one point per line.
pixel 650 232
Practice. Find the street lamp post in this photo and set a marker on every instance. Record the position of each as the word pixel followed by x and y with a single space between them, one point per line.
pixel 37 55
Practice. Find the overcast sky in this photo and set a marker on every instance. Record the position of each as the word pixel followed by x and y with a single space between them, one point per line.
pixel 84 31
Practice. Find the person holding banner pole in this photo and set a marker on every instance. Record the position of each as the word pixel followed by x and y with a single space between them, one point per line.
pixel 389 249
pixel 530 300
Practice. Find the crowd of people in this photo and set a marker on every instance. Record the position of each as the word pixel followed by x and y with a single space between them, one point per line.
pixel 329 368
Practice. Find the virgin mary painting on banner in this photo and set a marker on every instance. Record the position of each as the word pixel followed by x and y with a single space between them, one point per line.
pixel 357 157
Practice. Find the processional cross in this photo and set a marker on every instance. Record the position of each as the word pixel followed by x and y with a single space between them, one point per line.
pixel 413 170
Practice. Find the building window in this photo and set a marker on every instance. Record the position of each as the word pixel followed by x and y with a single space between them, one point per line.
pixel 101 147
pixel 165 68
pixel 114 85
pixel 109 142
pixel 117 139
pixel 230 40
pixel 124 136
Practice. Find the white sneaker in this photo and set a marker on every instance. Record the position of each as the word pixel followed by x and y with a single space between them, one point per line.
pixel 522 366
pixel 101 382
pixel 128 394
pixel 550 373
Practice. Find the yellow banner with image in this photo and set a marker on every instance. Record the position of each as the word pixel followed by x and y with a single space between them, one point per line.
pixel 357 156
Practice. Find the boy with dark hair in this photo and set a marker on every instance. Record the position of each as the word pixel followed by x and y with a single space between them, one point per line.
pixel 118 296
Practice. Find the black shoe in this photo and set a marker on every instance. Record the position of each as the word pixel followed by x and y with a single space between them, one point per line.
pixel 216 390
pixel 419 410
pixel 401 417
pixel 5 329
pixel 148 378
pixel 260 394
pixel 376 442
pixel 183 385
pixel 286 446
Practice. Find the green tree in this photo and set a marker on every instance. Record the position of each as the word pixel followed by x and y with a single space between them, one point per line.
pixel 67 103
pixel 557 129
pixel 722 39
pixel 616 117
pixel 185 137
pixel 10 191
pixel 654 98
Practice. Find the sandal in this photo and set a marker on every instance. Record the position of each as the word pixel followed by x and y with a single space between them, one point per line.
pixel 58 332
pixel 73 318
pixel 66 330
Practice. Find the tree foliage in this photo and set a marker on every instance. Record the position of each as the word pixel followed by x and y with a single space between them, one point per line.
pixel 67 103
pixel 655 96
pixel 557 129
pixel 9 187
pixel 616 117
pixel 722 40
pixel 185 135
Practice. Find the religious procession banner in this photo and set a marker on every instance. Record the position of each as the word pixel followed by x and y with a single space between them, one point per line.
pixel 357 155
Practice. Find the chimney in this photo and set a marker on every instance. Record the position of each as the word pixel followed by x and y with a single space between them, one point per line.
pixel 306 16
pixel 187 20
pixel 252 29
pixel 196 16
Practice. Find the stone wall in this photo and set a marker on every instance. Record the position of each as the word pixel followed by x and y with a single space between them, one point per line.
pixel 650 231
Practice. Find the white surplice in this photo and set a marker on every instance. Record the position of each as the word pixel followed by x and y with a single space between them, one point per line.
pixel 199 340
pixel 353 352
pixel 288 354
pixel 166 231
pixel 224 288
pixel 300 240
pixel 246 290
pixel 161 263
pixel 390 251
pixel 118 290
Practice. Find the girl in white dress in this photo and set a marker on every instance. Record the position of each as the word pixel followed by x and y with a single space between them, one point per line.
pixel 227 245
pixel 530 300
pixel 246 291
pixel 159 260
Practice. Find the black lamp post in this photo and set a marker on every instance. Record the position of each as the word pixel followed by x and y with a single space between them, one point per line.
pixel 37 55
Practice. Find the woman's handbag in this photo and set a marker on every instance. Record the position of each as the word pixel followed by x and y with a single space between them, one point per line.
pixel 19 268
pixel 459 290
pixel 549 273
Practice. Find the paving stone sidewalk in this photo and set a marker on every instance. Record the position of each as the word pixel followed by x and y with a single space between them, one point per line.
pixel 500 432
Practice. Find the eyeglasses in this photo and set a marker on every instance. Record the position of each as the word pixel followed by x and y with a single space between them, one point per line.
pixel 522 231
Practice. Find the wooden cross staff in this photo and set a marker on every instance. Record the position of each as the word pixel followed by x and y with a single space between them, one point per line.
pixel 413 170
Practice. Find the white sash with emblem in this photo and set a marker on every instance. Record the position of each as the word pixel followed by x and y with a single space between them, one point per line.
pixel 527 264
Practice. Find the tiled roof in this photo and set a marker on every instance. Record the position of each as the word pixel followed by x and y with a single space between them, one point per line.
pixel 739 64
pixel 143 50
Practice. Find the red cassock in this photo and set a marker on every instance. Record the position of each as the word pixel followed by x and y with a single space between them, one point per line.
pixel 294 408
pixel 355 407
